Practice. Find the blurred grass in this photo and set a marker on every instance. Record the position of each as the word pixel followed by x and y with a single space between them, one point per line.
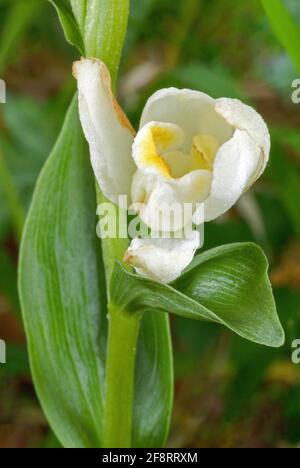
pixel 285 27
pixel 20 15
pixel 229 393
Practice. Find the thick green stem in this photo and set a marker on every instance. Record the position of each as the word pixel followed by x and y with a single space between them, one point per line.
pixel 122 345
pixel 113 248
pixel 104 39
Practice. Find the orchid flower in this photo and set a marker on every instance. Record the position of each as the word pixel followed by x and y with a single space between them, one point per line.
pixel 190 148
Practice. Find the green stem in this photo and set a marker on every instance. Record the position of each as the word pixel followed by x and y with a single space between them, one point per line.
pixel 122 346
pixel 112 248
pixel 10 193
pixel 104 39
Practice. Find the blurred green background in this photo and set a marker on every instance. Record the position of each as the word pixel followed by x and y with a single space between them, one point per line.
pixel 229 393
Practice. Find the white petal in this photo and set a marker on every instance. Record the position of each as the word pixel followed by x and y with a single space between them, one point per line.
pixel 106 128
pixel 235 163
pixel 162 260
pixel 246 118
pixel 169 205
pixel 193 111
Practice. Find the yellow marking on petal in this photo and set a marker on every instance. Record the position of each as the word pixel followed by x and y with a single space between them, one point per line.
pixel 163 137
pixel 150 156
pixel 204 149
pixel 153 142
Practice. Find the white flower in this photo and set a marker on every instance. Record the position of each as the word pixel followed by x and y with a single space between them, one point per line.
pixel 162 259
pixel 190 148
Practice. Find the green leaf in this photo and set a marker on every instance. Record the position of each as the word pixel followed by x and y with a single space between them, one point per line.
pixel 103 25
pixel 227 285
pixel 285 28
pixel 60 288
pixel 154 382
pixel 96 27
pixel 69 24
pixel 62 291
